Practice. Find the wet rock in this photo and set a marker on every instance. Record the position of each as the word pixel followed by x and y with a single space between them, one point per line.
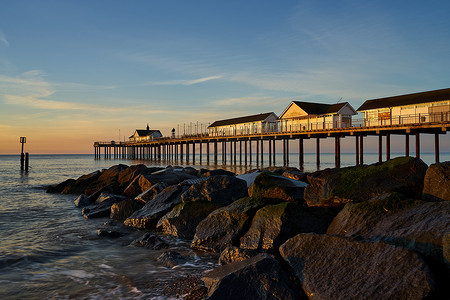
pixel 218 172
pixel 183 175
pixel 124 209
pixel 234 254
pixel 259 277
pixel 437 182
pixel 108 181
pixel 81 184
pixel 82 201
pixel 295 174
pixel 336 187
pixel 102 207
pixel 127 175
pixel 249 177
pixel 225 226
pixel 182 221
pixel 152 211
pixel 274 224
pixel 171 259
pixel 58 188
pixel 110 229
pixel 272 186
pixel 446 249
pixel 331 267
pixel 150 241
pixel 151 192
pixel 191 171
pixel 219 189
pixel 417 225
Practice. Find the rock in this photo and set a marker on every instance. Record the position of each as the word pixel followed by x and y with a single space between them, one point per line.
pixel 110 229
pixel 417 225
pixel 259 277
pixel 225 226
pixel 82 201
pixel 107 181
pixel 332 267
pixel 151 192
pixel 102 207
pixel 150 241
pixel 295 174
pixel 184 218
pixel 171 259
pixel 81 184
pixel 437 182
pixel 272 186
pixel 111 188
pixel 219 189
pixel 446 249
pixel 234 254
pixel 58 188
pixel 152 211
pixel 182 175
pixel 249 177
pixel 218 172
pixel 274 224
pixel 126 176
pixel 336 187
pixel 191 170
pixel 124 209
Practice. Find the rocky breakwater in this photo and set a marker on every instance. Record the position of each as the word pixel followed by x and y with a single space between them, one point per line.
pixel 377 231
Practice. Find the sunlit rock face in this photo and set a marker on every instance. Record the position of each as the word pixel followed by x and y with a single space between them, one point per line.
pixel 437 182
pixel 331 267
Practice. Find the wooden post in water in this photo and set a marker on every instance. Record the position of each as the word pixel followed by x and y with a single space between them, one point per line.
pixel 215 152
pixel 193 152
pixel 380 148
pixel 361 149
pixel 257 152
pixel 262 152
pixel 250 151
pixel 407 144
pixel 337 154
pixel 240 152
pixel 235 141
pixel 207 152
pixel 318 152
pixel 300 153
pixel 245 152
pixel 26 161
pixel 357 149
pixel 417 145
pixel 200 152
pixel 388 146
pixel 436 147
pixel 270 152
pixel 273 153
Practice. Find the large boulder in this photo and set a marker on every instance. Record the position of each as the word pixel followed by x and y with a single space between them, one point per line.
pixel 417 225
pixel 124 209
pixel 336 187
pixel 82 201
pixel 225 226
pixel 171 259
pixel 107 181
pixel 150 241
pixel 81 184
pixel 234 254
pixel 273 224
pixel 216 172
pixel 272 186
pixel 221 189
pixel 332 267
pixel 151 192
pixel 184 218
pixel 259 277
pixel 127 175
pixel 102 206
pixel 437 182
pixel 148 216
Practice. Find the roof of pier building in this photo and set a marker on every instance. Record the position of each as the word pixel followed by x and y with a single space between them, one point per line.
pixel 297 109
pixel 247 119
pixel 409 99
pixel 146 132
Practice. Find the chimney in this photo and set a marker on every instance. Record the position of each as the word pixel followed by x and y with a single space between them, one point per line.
pixel 148 128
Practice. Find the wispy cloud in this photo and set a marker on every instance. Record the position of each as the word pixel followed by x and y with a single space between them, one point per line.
pixel 186 81
pixel 3 39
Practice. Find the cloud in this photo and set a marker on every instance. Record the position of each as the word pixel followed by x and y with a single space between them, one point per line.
pixel 241 101
pixel 186 82
pixel 3 39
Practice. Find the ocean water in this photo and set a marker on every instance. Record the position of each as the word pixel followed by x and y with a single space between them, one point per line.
pixel 49 251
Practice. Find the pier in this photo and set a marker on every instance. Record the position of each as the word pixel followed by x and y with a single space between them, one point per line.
pixel 237 148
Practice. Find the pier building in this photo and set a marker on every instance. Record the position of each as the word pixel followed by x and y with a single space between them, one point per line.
pixel 260 123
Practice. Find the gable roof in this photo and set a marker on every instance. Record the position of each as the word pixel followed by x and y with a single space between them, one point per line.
pixel 312 108
pixel 239 120
pixel 416 98
pixel 145 132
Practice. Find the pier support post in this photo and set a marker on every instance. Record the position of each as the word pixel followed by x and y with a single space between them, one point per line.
pixel 270 152
pixel 361 149
pixel 240 152
pixel 300 153
pixel 436 147
pixel 357 149
pixel 245 142
pixel 193 153
pixel 284 152
pixel 417 145
pixel 200 152
pixel 250 151
pixel 287 152
pixel 318 152
pixel 235 141
pixel 187 153
pixel 262 152
pixel 207 152
pixel 337 152
pixel 380 148
pixel 407 144
pixel 273 158
pixel 257 152
pixel 388 146
pixel 215 152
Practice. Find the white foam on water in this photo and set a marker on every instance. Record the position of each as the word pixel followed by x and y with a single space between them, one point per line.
pixel 77 274
pixel 106 267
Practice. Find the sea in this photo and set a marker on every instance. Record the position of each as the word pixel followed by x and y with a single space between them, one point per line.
pixel 48 250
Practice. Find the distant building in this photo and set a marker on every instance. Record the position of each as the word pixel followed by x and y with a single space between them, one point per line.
pixel 431 106
pixel 145 135
pixel 260 123
pixel 299 116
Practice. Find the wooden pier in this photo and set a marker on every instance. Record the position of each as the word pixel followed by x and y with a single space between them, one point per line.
pixel 183 149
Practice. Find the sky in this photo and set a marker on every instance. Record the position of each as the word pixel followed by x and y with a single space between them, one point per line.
pixel 75 72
